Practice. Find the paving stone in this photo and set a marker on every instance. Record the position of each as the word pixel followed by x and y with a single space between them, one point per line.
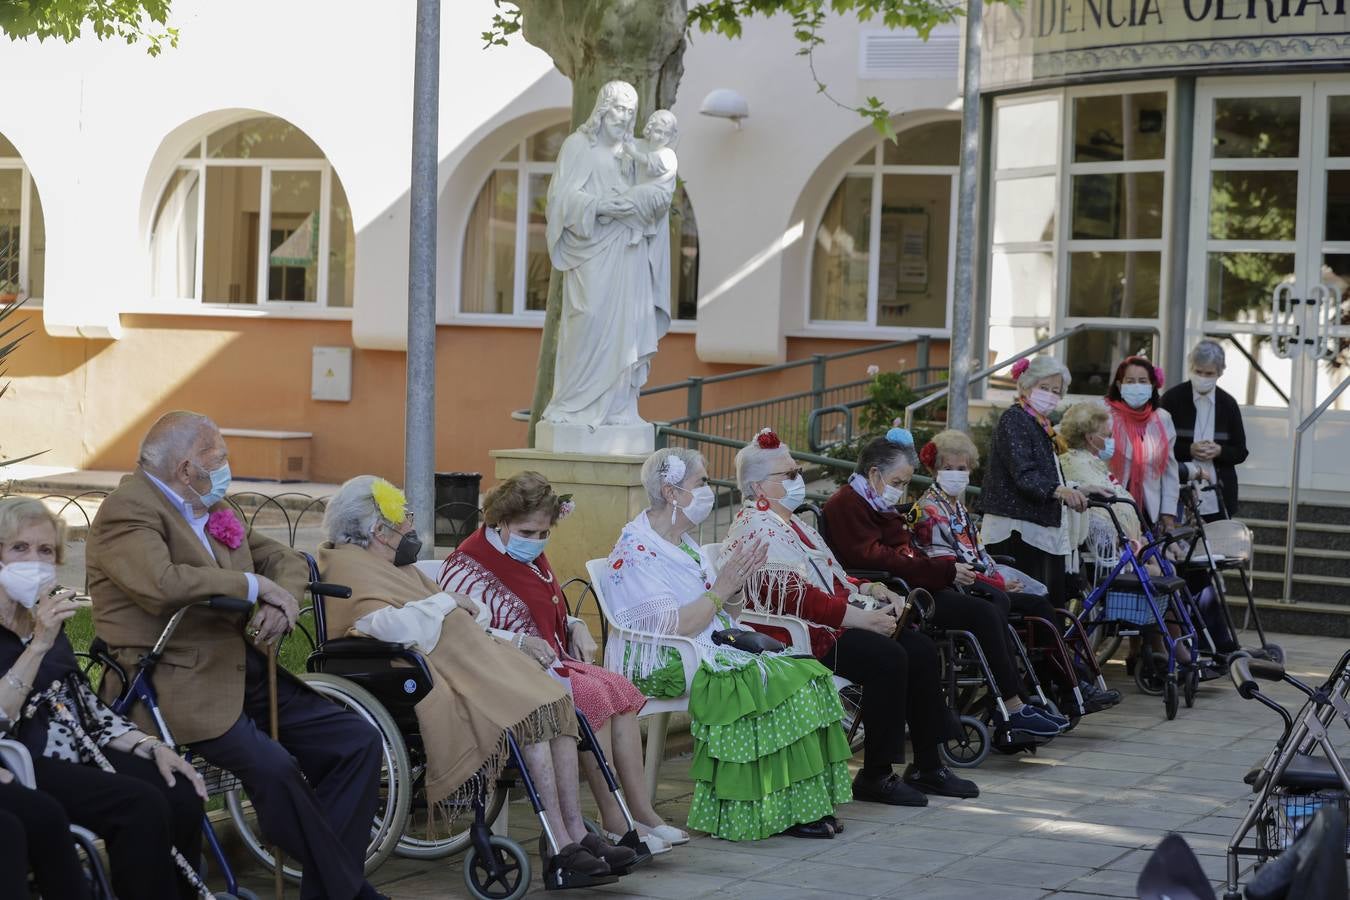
pixel 846 880
pixel 947 840
pixel 894 859
pixel 1027 873
pixel 956 889
pixel 1056 850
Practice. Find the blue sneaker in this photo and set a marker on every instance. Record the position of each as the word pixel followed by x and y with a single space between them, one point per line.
pixel 1032 721
pixel 1061 720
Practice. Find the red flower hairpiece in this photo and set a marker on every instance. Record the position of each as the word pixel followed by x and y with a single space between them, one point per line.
pixel 1020 366
pixel 767 440
pixel 1158 374
pixel 928 456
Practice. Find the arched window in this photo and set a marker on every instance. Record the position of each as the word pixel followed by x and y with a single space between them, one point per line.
pixel 254 214
pixel 23 234
pixel 505 263
pixel 883 249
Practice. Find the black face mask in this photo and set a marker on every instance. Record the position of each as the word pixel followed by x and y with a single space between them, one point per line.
pixel 408 549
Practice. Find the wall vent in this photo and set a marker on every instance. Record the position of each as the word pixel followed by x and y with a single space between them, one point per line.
pixel 885 55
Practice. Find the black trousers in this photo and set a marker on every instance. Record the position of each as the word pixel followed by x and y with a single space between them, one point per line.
pixel 1047 568
pixel 35 834
pixel 316 790
pixel 901 681
pixel 986 617
pixel 137 815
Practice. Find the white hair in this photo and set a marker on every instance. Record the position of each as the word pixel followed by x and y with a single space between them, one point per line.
pixel 1209 353
pixel 1042 367
pixel 352 513
pixel 754 463
pixel 171 440
pixel 659 468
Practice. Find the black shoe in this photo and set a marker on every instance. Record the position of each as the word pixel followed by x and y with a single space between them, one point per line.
pixel 817 829
pixel 616 857
pixel 941 782
pixel 1096 699
pixel 834 823
pixel 576 858
pixel 891 789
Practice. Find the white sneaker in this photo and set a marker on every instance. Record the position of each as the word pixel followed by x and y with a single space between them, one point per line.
pixel 670 834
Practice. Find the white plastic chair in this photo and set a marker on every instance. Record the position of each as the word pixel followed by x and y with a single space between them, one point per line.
pixel 659 710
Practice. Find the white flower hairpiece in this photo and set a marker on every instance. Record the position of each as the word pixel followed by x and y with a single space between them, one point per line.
pixel 672 469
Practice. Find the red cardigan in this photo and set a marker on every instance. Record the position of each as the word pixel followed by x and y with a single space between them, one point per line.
pixel 863 538
pixel 823 611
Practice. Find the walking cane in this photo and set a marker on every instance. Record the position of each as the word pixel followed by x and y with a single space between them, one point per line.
pixel 278 879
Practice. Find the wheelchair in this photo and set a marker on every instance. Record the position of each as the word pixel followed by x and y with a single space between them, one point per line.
pixel 138 688
pixel 384 682
pixel 14 756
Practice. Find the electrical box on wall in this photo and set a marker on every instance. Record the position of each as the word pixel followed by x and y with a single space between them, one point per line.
pixel 331 376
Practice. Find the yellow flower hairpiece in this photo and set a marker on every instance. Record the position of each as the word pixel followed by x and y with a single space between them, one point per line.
pixel 391 501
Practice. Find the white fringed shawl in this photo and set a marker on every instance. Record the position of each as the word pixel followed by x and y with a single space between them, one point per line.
pixel 779 586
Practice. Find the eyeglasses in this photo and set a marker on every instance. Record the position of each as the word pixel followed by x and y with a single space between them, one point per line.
pixel 789 475
pixel 408 517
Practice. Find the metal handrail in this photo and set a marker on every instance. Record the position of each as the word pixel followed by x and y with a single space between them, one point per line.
pixel 1256 365
pixel 990 370
pixel 1291 534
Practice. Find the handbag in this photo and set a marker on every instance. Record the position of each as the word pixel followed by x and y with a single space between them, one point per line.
pixel 747 639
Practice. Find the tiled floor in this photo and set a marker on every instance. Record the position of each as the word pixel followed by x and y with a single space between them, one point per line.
pixel 1076 820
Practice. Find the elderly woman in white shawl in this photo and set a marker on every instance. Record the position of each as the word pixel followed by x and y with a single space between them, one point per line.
pixel 769 755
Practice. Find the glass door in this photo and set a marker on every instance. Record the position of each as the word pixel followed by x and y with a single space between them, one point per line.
pixel 1270 239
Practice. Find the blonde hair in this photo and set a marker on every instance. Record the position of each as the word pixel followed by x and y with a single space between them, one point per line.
pixel 1082 419
pixel 520 496
pixel 16 512
pixel 952 443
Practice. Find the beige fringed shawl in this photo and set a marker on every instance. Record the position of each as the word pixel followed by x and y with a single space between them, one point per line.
pixel 482 686
pixel 776 587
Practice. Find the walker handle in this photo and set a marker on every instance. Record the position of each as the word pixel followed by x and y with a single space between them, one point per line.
pixel 1245 670
pixel 229 604
pixel 340 591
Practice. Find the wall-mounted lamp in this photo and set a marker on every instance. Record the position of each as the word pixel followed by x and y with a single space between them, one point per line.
pixel 725 103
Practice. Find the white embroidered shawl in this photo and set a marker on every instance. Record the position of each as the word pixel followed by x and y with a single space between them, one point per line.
pixel 777 587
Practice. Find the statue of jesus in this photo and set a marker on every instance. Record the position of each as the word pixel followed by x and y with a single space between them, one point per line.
pixel 613 310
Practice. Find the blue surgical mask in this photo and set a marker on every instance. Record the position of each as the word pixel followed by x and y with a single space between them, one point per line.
pixel 1108 449
pixel 1136 395
pixel 796 494
pixel 525 549
pixel 220 483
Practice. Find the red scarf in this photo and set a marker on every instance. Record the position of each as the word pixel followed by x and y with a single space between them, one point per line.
pixel 1143 429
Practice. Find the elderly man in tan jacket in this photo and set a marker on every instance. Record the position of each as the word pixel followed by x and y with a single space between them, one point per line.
pixel 164 539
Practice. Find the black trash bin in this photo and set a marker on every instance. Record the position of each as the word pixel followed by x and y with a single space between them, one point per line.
pixel 456 506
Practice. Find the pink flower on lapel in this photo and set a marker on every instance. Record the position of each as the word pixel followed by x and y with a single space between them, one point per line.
pixel 224 526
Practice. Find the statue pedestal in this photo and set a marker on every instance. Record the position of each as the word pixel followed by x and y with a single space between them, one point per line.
pixel 608 493
pixel 600 442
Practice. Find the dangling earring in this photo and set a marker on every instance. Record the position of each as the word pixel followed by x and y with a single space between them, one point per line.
pixel 674 511
pixel 762 504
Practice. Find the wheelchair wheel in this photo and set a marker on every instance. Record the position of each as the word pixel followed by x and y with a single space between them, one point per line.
pixel 506 876
pixel 432 833
pixel 852 723
pixel 395 793
pixel 1190 686
pixel 969 747
pixel 1150 672
pixel 1170 698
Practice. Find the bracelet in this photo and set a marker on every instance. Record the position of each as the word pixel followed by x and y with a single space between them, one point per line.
pixel 136 746
pixel 17 683
pixel 716 599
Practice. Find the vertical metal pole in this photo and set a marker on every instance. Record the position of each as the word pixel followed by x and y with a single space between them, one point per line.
pixel 419 425
pixel 1183 149
pixel 818 380
pixel 693 403
pixel 963 294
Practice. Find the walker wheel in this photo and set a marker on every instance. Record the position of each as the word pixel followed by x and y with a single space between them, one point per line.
pixel 1170 698
pixel 1275 652
pixel 1190 687
pixel 969 747
pixel 505 876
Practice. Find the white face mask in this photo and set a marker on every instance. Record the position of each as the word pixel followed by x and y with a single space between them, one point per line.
pixel 1203 385
pixel 700 505
pixel 953 482
pixel 23 581
pixel 890 494
pixel 795 494
pixel 1136 395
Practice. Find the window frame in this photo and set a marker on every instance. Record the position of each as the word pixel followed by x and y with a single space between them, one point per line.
pixel 877 170
pixel 26 189
pixel 1063 244
pixel 200 163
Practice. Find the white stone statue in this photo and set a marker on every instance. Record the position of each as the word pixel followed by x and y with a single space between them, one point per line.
pixel 609 235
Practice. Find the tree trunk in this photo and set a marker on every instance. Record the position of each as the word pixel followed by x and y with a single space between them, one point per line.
pixel 593 42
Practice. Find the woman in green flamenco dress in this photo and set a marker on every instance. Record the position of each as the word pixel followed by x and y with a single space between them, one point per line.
pixel 769 754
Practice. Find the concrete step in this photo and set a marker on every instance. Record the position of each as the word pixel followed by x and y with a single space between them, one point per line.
pixel 1328 589
pixel 1304 617
pixel 1307 560
pixel 1308 513
pixel 1313 535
